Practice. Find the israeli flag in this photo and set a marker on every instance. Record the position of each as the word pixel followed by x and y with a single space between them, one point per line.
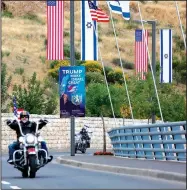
pixel 165 55
pixel 89 40
pixel 120 7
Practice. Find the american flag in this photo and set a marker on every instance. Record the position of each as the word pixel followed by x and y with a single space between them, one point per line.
pixel 141 54
pixel 97 14
pixel 15 107
pixel 16 110
pixel 55 26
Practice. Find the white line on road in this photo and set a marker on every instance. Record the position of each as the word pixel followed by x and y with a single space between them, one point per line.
pixel 5 182
pixel 15 187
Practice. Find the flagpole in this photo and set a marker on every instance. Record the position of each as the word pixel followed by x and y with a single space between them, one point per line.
pixel 72 62
pixel 153 23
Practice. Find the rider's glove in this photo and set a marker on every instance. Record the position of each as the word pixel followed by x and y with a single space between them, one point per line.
pixel 45 121
pixel 8 122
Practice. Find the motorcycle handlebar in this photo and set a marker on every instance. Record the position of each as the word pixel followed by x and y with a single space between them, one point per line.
pixel 37 124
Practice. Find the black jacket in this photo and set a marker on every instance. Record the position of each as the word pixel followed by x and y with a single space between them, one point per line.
pixel 28 127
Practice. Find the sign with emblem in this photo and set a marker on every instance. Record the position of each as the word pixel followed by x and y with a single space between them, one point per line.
pixel 72 91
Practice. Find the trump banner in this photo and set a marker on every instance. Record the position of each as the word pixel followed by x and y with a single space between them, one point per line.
pixel 72 91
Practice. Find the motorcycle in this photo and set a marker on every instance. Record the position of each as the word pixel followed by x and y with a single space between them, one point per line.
pixel 82 142
pixel 30 157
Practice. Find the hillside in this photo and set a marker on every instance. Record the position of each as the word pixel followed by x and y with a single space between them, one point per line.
pixel 24 38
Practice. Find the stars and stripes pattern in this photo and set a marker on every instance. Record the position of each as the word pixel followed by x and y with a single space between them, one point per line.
pixel 55 26
pixel 141 54
pixel 97 14
pixel 16 110
pixel 15 107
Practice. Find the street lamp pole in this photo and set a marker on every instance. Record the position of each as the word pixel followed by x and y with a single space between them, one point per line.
pixel 72 62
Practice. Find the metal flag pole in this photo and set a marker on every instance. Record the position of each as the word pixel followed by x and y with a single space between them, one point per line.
pixel 72 62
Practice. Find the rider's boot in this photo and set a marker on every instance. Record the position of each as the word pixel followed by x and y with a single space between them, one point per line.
pixel 49 159
pixel 10 160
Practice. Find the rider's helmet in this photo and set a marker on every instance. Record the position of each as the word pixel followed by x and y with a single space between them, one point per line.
pixel 83 130
pixel 24 116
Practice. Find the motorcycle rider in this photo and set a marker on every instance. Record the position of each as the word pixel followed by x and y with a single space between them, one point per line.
pixel 85 136
pixel 27 127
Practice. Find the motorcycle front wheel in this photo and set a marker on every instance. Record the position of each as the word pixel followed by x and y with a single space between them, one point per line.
pixel 33 166
pixel 83 149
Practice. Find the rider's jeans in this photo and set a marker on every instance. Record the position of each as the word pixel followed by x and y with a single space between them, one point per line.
pixel 15 146
pixel 12 147
pixel 44 146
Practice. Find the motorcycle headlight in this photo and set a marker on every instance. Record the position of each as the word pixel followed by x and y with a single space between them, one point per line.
pixel 30 139
pixel 21 139
pixel 40 139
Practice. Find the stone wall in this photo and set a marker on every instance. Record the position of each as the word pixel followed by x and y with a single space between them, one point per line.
pixel 57 132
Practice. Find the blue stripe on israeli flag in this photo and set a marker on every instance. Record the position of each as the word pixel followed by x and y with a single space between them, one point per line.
pixel 115 7
pixel 166 55
pixel 89 40
pixel 120 7
pixel 125 9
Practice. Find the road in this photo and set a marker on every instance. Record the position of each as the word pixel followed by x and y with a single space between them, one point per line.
pixel 58 176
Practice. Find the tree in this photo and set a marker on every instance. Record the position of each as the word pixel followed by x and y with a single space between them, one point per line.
pixel 35 98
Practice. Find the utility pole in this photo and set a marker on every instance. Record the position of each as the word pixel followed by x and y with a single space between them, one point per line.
pixel 72 62
pixel 153 23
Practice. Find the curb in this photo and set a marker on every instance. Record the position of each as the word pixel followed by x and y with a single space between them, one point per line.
pixel 125 170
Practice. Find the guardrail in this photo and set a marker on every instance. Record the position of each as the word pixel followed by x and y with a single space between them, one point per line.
pixel 163 141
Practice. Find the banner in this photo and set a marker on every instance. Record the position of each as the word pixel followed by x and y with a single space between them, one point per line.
pixel 165 56
pixel 89 40
pixel 72 91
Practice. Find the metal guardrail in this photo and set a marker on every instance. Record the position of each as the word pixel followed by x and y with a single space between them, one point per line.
pixel 163 141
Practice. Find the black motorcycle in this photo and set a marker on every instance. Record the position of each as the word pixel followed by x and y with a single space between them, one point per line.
pixel 82 141
pixel 30 157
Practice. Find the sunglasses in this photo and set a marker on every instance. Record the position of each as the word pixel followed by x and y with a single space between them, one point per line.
pixel 24 116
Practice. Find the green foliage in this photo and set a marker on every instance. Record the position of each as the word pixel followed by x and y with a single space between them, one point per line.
pixel 34 98
pixel 5 84
pixel 142 96
pixel 131 25
pixel 179 69
pixel 42 58
pixel 19 71
pixel 51 95
pixel 179 43
pixel 66 34
pixel 107 70
pixel 77 55
pixel 7 14
pixel 67 52
pixel 98 102
pixel 5 53
pixel 95 77
pixel 126 64
pixel 55 65
pixel 92 66
pixel 79 62
pixel 173 104
pixel 115 76
pixel 33 17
